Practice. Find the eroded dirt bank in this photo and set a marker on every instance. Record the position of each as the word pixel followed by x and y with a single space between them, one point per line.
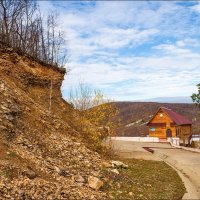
pixel 41 155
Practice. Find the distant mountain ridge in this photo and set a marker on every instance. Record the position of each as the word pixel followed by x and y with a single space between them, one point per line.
pixel 135 115
pixel 179 99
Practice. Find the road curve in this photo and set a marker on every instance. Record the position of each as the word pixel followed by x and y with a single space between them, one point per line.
pixel 186 163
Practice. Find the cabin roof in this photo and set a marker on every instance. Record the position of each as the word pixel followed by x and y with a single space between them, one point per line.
pixel 177 118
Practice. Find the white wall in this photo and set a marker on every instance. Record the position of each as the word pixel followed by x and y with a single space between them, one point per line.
pixel 175 141
pixel 195 139
pixel 137 139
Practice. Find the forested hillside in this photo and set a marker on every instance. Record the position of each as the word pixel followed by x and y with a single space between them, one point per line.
pixel 135 115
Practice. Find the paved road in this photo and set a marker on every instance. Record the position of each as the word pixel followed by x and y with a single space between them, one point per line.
pixel 186 163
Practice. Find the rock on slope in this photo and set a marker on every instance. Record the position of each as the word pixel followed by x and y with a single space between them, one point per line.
pixel 41 156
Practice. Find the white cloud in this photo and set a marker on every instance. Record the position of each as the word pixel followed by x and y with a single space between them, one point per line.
pixel 132 50
pixel 196 8
pixel 188 42
pixel 173 49
pixel 117 38
pixel 140 77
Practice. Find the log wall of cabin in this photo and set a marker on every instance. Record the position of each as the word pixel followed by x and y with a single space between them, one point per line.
pixel 160 131
pixel 164 119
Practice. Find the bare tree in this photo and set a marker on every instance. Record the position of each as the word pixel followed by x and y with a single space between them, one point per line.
pixel 22 27
pixel 94 114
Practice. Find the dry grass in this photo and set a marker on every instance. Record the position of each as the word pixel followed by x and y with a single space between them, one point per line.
pixel 144 180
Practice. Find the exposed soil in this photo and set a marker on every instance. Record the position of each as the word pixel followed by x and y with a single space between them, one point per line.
pixel 40 151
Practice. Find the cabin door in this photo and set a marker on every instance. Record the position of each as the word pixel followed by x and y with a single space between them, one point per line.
pixel 168 133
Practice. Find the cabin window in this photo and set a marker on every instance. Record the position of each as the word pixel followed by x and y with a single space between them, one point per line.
pixel 152 129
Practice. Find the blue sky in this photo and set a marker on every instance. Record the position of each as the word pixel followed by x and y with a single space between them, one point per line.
pixel 131 50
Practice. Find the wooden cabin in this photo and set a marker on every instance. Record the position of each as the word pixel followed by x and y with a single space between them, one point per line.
pixel 166 123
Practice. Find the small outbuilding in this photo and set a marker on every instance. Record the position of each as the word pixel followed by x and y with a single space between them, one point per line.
pixel 166 123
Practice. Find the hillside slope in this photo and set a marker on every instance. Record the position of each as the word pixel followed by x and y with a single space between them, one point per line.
pixel 135 115
pixel 41 155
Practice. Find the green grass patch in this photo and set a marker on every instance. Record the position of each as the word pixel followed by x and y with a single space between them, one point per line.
pixel 144 180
